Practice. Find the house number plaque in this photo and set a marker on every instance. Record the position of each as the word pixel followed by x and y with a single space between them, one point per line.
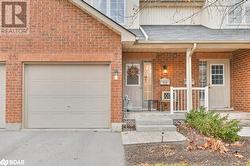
pixel 164 81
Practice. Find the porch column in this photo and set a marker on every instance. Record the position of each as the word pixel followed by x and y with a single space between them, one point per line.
pixel 189 53
pixel 189 78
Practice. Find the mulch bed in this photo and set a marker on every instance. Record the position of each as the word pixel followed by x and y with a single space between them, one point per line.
pixel 189 153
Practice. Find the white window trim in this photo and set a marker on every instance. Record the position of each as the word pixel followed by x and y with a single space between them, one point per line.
pixel 139 82
pixel 243 16
pixel 211 82
pixel 109 10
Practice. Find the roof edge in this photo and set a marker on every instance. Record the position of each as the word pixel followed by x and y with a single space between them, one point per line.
pixel 126 35
pixel 191 42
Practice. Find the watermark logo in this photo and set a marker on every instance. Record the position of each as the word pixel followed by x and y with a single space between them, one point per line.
pixel 5 162
pixel 14 16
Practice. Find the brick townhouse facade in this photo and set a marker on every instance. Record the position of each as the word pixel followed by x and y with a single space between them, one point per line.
pixel 71 33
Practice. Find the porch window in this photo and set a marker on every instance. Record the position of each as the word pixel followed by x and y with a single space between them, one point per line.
pixel 115 9
pixel 203 73
pixel 217 74
pixel 147 81
pixel 203 79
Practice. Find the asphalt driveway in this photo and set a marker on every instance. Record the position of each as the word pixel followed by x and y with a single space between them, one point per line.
pixel 62 148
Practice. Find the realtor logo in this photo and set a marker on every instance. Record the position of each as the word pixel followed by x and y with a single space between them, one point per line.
pixel 14 16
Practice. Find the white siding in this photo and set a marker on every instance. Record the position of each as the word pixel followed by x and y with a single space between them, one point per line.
pixel 216 17
pixel 169 16
pixel 132 14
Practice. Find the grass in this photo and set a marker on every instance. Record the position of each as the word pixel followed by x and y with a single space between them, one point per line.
pixel 248 162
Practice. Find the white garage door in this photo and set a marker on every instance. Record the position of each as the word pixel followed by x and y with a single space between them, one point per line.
pixel 67 96
pixel 2 95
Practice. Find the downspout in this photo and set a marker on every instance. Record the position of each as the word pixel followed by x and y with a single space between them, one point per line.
pixel 144 33
pixel 189 53
pixel 193 49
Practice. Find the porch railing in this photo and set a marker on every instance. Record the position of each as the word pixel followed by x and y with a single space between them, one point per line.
pixel 178 98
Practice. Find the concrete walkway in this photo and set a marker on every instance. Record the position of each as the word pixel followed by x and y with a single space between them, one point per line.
pixel 133 137
pixel 58 148
pixel 245 132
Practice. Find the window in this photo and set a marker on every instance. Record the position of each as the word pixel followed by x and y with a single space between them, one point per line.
pixel 203 79
pixel 239 13
pixel 203 73
pixel 166 96
pixel 147 81
pixel 217 74
pixel 101 5
pixel 133 74
pixel 115 9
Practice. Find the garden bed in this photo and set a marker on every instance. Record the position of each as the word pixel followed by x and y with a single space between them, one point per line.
pixel 192 152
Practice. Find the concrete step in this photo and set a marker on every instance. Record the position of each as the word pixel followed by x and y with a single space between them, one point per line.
pixel 154 121
pixel 155 128
pixel 245 123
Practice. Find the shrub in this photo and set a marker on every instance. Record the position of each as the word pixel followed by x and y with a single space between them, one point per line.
pixel 211 124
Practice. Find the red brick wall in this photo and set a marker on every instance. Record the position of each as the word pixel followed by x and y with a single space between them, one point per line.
pixel 59 32
pixel 240 77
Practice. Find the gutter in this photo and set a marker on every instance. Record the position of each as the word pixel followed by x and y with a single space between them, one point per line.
pixel 144 33
pixel 191 42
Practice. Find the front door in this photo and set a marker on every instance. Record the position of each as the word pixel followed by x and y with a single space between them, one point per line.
pixel 138 83
pixel 219 83
pixel 133 88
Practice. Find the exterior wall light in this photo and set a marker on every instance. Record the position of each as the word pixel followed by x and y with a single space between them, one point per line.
pixel 116 74
pixel 165 69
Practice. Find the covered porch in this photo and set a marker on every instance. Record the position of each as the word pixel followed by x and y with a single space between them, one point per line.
pixel 176 78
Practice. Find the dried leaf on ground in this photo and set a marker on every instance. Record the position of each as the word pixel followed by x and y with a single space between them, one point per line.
pixel 238 144
pixel 238 155
pixel 215 145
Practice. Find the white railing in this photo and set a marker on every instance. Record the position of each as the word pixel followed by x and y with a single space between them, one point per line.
pixel 178 98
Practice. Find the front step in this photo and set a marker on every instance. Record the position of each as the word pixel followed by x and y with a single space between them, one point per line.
pixel 153 120
pixel 154 123
pixel 144 128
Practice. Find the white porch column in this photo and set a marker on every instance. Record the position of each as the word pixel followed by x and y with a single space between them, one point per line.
pixel 189 78
pixel 189 53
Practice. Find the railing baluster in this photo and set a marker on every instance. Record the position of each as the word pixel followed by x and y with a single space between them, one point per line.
pixel 179 103
pixel 181 100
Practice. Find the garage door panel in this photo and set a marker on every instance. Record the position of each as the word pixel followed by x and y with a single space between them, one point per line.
pixel 68 120
pixel 75 88
pixel 62 103
pixel 67 96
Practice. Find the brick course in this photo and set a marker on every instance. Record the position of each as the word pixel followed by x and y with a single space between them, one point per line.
pixel 59 32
